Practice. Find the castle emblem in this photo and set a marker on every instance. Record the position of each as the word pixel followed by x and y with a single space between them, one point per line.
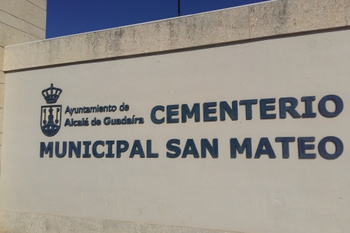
pixel 51 115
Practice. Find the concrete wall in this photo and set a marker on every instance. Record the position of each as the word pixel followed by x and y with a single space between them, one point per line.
pixel 20 21
pixel 290 44
pixel 275 18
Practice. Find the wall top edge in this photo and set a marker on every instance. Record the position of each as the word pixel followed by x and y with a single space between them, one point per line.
pixel 266 19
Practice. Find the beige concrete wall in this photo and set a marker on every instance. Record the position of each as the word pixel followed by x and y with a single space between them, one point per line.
pixel 243 195
pixel 20 21
pixel 24 15
pixel 44 223
pixel 274 18
pixel 236 25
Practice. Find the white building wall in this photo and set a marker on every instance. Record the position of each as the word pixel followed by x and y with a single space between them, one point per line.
pixel 20 21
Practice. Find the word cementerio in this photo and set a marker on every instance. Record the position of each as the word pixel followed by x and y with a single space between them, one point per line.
pixel 328 106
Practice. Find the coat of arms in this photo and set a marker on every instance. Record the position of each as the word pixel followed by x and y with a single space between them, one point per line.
pixel 51 115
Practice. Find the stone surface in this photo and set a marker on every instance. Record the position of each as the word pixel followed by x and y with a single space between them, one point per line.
pixel 25 10
pixel 317 14
pixel 1 110
pixel 267 19
pixel 20 21
pixel 2 58
pixel 138 39
pixel 22 222
pixel 187 192
pixel 2 77
pixel 14 36
pixel 22 25
pixel 224 26
pixel 290 16
pixel 271 18
pixel 40 3
pixel 347 12
pixel 2 89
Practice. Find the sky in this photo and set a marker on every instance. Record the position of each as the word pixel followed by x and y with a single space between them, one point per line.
pixel 66 17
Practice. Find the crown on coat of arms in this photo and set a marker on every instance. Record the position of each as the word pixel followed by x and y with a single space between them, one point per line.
pixel 51 94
